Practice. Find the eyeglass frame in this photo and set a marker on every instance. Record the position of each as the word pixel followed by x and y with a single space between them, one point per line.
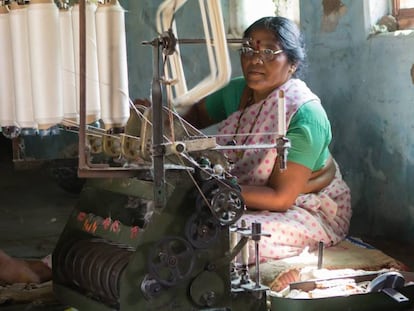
pixel 261 53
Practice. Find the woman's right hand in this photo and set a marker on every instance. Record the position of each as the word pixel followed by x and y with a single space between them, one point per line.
pixel 197 115
pixel 142 102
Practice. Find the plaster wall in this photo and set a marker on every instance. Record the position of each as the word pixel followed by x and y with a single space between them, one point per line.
pixel 140 25
pixel 366 87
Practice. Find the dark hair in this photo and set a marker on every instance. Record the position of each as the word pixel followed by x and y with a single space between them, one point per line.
pixel 289 37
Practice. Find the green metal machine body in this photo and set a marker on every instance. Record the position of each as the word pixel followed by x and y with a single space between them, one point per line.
pixel 118 253
pixel 158 227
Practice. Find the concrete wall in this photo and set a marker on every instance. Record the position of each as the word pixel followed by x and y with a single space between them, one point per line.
pixel 364 83
pixel 366 87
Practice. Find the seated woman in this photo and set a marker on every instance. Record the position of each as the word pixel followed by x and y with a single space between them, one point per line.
pixel 308 202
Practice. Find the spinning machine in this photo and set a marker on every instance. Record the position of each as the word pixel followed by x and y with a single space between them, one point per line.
pixel 159 222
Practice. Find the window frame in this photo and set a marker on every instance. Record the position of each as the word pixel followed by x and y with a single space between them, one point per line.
pixel 405 17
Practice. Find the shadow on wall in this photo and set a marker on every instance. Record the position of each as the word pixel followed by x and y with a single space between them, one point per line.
pixel 380 211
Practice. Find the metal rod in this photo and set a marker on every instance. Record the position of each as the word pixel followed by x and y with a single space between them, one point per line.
pixel 86 169
pixel 157 131
pixel 201 41
pixel 256 231
pixel 82 86
pixel 198 41
pixel 320 254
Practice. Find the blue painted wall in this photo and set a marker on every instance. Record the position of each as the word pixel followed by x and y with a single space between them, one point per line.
pixel 140 23
pixel 366 87
pixel 364 83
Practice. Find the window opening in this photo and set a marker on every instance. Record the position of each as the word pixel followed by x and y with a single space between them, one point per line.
pixel 403 11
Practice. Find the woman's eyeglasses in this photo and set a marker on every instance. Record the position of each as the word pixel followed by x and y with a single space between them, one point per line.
pixel 267 55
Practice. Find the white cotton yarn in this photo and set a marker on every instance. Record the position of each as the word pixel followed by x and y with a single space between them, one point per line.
pixel 70 110
pixel 113 67
pixel 21 64
pixel 45 59
pixel 93 106
pixel 7 95
pixel 40 65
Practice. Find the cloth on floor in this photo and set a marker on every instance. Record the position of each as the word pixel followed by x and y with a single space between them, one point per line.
pixel 348 254
pixel 19 293
pixel 47 260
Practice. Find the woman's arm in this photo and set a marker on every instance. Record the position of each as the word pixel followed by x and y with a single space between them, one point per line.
pixel 282 190
pixel 284 187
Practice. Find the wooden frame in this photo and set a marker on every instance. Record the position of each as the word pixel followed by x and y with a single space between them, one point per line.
pixel 405 17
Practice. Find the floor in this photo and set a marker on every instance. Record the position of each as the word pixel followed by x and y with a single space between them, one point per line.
pixel 34 210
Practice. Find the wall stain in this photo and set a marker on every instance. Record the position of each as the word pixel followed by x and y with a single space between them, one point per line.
pixel 333 10
pixel 374 172
pixel 412 73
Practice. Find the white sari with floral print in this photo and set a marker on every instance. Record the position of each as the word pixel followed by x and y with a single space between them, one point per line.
pixel 315 217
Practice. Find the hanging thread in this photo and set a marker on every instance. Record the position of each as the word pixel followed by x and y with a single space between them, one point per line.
pixel 233 142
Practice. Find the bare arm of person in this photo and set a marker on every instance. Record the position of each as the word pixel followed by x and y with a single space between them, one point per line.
pixel 284 187
pixel 281 191
pixel 197 115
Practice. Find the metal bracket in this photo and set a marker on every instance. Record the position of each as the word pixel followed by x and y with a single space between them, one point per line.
pixel 397 296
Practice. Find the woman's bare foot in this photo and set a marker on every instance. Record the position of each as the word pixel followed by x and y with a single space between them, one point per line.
pixel 13 270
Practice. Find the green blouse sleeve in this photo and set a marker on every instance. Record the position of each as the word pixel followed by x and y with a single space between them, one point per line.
pixel 310 134
pixel 225 101
pixel 309 129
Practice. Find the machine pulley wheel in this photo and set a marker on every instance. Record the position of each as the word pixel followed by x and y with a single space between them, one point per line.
pixel 227 206
pixel 223 198
pixel 171 260
pixel 150 287
pixel 202 230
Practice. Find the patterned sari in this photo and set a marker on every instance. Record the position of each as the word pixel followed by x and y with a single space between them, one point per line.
pixel 315 217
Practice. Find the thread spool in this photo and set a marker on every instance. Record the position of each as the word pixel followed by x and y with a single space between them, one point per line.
pixel 70 110
pixel 112 62
pixel 246 249
pixel 233 239
pixel 93 110
pixel 46 62
pixel 7 95
pixel 21 65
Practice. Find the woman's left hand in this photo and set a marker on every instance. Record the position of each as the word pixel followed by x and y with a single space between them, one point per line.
pixel 321 178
